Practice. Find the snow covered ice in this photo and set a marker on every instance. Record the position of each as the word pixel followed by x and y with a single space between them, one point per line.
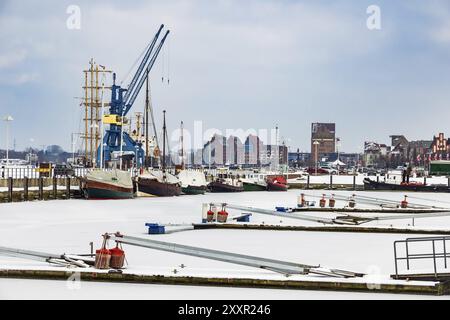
pixel 69 227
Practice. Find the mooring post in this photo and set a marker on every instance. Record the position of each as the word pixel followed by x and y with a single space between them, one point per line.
pixel 26 183
pixel 10 189
pixel 424 180
pixel 378 178
pixel 331 181
pixel 308 181
pixel 41 188
pixel 68 187
pixel 354 182
pixel 205 209
pixel 55 187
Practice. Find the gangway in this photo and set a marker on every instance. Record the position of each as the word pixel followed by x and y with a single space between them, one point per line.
pixel 65 260
pixel 342 219
pixel 287 268
pixel 279 214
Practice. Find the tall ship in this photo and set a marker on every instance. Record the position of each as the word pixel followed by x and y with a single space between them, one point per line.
pixel 115 184
pixel 160 183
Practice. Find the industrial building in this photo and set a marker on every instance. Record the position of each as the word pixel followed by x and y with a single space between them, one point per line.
pixel 323 139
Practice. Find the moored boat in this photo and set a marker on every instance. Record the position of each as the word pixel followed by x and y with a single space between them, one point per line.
pixel 277 183
pixel 253 186
pixel 225 185
pixel 159 184
pixel 192 182
pixel 116 184
pixel 412 186
pixel 254 182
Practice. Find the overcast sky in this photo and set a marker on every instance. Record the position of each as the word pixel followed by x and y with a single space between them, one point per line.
pixel 235 64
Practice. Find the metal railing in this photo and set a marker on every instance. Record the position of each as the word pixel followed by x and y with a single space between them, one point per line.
pixel 437 251
pixel 33 173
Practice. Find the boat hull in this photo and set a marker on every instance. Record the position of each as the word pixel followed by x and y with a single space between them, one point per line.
pixel 218 187
pixel 271 186
pixel 158 189
pixel 277 183
pixel 194 190
pixel 98 190
pixel 383 186
pixel 254 187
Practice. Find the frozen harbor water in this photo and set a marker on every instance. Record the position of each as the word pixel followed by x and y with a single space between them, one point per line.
pixel 69 227
pixel 58 290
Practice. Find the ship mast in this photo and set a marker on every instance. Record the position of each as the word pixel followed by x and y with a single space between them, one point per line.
pixel 147 110
pixel 164 144
pixel 182 145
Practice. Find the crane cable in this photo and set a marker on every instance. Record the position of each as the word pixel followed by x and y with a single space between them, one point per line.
pixel 168 62
pixel 135 64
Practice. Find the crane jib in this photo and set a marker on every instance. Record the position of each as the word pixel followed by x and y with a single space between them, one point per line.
pixel 132 98
pixel 142 64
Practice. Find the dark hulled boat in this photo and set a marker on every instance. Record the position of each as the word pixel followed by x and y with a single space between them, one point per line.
pixel 159 184
pixel 412 187
pixel 103 185
pixel 194 190
pixel 225 185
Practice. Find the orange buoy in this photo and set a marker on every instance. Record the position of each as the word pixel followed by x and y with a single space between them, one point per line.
pixel 117 258
pixel 102 258
pixel 332 201
pixel 222 216
pixel 404 203
pixel 323 202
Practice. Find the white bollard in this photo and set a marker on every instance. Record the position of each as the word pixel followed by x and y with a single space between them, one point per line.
pixel 205 209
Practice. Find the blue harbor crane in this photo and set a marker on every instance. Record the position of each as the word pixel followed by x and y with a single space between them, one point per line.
pixel 116 141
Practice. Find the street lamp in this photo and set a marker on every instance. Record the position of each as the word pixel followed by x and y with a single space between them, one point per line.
pixel 338 144
pixel 7 119
pixel 316 145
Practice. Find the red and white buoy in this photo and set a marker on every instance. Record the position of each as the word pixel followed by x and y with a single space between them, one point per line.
pixel 222 215
pixel 210 214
